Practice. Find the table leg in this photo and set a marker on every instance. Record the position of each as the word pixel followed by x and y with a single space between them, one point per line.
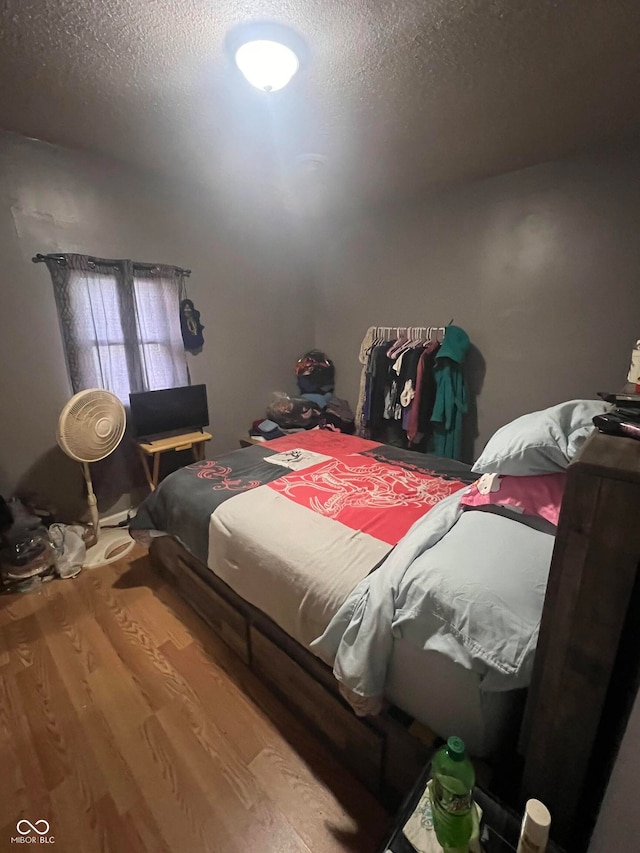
pixel 145 465
pixel 156 469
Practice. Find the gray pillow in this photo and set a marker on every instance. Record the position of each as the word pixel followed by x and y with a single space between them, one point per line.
pixel 542 442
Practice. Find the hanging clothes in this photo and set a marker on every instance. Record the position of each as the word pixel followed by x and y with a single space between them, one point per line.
pixel 451 397
pixel 380 383
pixel 411 393
pixel 408 383
pixel 420 421
pixel 361 417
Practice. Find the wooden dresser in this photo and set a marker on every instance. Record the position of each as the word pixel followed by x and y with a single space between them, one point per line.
pixel 587 667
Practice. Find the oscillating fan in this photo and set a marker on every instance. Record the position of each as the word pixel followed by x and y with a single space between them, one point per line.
pixel 90 427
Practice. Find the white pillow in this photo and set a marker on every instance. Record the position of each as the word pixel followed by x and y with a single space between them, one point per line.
pixel 542 442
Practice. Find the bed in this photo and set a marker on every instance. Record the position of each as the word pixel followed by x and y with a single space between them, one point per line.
pixel 585 668
pixel 268 543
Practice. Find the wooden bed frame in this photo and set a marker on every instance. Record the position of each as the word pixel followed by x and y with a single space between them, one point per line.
pixel 587 667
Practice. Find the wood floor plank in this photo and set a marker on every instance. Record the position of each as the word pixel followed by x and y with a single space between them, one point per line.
pixel 95 829
pixel 34 794
pixel 20 635
pixel 62 743
pixel 266 829
pixel 176 801
pixel 158 621
pixel 70 824
pixel 142 829
pixel 16 607
pixel 229 708
pixel 118 696
pixel 129 726
pixel 157 678
pixel 203 665
pixel 107 701
pixel 5 657
pixel 213 759
pixel 12 784
pixel 47 734
pixel 298 794
pixel 239 801
pixel 355 801
pixel 161 623
pixel 73 655
pixel 77 660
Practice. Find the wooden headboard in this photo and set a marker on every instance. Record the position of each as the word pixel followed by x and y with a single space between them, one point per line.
pixel 587 666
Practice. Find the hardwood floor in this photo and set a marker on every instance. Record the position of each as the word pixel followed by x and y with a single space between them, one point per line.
pixel 128 726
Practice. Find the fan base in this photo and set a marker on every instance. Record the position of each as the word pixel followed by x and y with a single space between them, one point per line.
pixel 112 545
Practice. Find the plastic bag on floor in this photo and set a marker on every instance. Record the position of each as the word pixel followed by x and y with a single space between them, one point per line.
pixel 70 548
pixel 26 553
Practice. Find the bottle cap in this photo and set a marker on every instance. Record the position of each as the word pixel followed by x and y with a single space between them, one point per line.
pixel 456 748
pixel 536 822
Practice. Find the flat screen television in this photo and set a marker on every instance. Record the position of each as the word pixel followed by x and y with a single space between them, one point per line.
pixel 170 411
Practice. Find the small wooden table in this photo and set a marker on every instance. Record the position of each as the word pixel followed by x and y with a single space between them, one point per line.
pixel 190 440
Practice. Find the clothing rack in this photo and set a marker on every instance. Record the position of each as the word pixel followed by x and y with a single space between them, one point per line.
pixel 400 400
pixel 388 333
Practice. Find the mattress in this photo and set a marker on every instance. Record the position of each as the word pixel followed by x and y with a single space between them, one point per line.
pixel 448 699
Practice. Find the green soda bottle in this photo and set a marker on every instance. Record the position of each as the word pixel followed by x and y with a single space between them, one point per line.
pixel 452 796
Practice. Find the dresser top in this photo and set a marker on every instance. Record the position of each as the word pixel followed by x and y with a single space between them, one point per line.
pixel 610 455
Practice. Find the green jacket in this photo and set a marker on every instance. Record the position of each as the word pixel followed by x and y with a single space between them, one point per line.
pixel 450 402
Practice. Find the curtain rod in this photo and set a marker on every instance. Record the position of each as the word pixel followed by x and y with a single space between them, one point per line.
pixel 60 259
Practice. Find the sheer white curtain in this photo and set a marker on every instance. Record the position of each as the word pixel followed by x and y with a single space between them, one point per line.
pixel 120 324
pixel 157 305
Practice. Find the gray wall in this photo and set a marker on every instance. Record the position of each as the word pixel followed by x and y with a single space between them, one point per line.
pixel 541 267
pixel 618 826
pixel 247 281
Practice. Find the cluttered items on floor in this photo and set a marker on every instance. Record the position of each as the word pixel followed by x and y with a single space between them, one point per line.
pixel 315 407
pixel 27 556
pixel 34 549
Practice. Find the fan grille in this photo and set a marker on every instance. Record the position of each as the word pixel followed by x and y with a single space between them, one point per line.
pixel 91 425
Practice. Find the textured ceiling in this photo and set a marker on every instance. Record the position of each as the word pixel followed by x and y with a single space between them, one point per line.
pixel 399 96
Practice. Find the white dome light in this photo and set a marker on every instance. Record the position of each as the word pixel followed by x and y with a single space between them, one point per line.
pixel 267 65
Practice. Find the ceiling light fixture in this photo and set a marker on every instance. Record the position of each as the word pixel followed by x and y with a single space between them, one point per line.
pixel 267 65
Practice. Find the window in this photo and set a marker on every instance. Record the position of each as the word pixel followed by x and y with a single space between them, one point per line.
pixel 120 324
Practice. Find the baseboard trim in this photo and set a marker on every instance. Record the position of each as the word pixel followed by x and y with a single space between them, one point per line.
pixel 117 517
